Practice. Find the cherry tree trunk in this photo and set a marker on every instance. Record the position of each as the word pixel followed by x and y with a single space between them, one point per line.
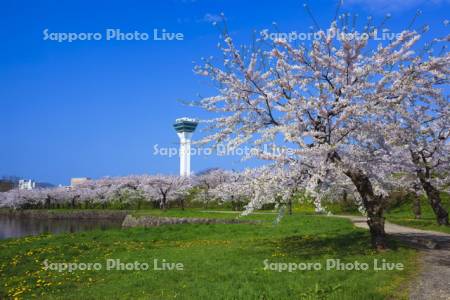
pixel 163 203
pixel 206 200
pixel 373 205
pixel 182 204
pixel 424 174
pixel 417 208
pixel 47 203
pixel 73 202
pixel 435 201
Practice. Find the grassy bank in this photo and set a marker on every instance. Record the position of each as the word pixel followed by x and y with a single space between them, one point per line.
pixel 220 262
pixel 403 215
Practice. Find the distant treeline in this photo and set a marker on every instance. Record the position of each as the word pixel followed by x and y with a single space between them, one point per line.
pixel 6 185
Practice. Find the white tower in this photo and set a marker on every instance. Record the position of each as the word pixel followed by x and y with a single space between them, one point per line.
pixel 185 127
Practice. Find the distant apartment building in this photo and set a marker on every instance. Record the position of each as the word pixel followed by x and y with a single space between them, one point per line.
pixel 77 181
pixel 26 184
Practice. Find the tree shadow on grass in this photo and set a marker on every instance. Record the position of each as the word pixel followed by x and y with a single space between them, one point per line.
pixel 340 245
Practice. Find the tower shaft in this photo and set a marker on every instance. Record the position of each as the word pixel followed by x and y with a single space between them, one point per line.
pixel 185 153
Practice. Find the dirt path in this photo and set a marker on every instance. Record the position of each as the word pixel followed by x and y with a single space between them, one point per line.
pixel 434 280
pixel 236 212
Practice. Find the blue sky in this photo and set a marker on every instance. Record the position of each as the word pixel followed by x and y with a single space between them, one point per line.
pixel 97 108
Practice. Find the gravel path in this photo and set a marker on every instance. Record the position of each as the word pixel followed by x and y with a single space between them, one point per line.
pixel 236 212
pixel 433 282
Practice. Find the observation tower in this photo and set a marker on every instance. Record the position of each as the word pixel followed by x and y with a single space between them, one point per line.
pixel 185 127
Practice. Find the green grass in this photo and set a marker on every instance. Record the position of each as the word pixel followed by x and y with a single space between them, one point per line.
pixel 220 262
pixel 403 215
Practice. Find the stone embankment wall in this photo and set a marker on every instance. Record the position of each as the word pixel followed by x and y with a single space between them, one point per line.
pixel 152 221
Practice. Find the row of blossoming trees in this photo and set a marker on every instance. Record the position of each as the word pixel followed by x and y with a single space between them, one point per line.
pixel 348 112
pixel 106 192
pixel 214 185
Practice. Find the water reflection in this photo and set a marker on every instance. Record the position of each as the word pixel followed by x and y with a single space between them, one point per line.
pixel 14 226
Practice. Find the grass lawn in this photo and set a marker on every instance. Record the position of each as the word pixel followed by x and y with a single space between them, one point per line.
pixel 403 215
pixel 220 262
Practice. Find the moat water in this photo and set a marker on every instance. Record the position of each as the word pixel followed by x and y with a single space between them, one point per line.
pixel 15 226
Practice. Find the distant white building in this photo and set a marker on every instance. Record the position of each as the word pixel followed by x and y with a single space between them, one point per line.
pixel 78 181
pixel 26 184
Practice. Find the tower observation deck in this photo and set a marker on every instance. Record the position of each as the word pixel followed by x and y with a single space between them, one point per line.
pixel 185 128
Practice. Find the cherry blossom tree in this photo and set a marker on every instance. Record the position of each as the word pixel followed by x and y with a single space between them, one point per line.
pixel 274 183
pixel 237 189
pixel 167 188
pixel 320 104
pixel 209 180
pixel 423 131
